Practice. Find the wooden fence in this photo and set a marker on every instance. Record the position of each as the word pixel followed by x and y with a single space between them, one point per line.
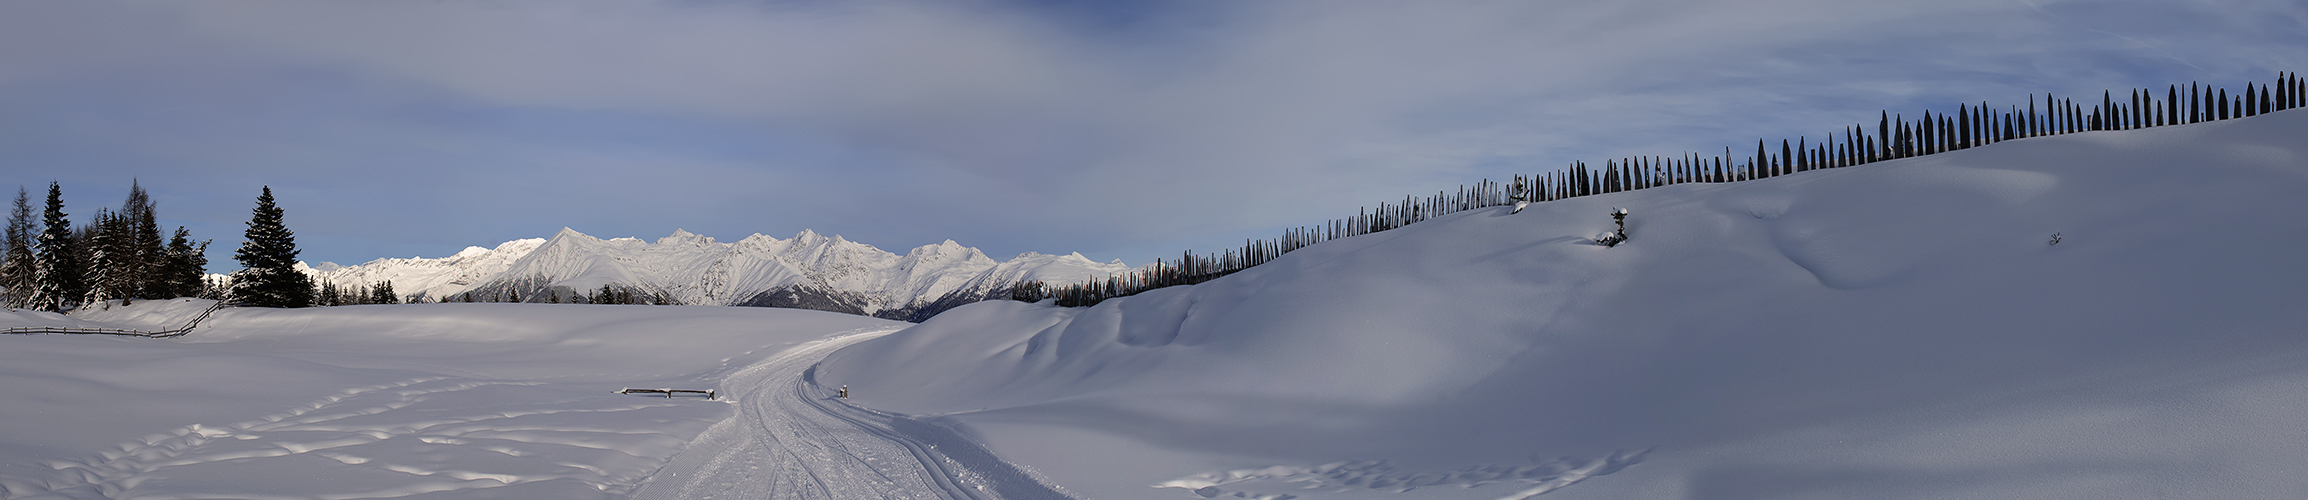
pixel 178 332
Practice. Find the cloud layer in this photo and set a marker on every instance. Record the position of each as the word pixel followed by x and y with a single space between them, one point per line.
pixel 1122 130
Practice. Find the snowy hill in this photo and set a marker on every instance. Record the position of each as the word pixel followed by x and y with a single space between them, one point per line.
pixel 1905 329
pixel 808 271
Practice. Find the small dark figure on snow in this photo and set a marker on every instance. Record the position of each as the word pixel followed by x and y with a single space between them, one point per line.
pixel 844 391
pixel 1614 238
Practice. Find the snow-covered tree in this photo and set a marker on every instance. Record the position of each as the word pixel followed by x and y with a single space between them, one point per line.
pixel 59 270
pixel 112 263
pixel 18 272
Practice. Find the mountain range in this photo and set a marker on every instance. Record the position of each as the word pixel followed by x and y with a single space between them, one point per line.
pixel 808 271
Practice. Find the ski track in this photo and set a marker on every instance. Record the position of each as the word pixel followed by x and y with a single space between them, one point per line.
pixel 791 439
pixel 438 436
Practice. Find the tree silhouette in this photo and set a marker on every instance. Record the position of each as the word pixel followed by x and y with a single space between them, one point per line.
pixel 269 277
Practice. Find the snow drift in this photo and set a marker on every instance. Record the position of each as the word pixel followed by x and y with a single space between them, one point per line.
pixel 1904 329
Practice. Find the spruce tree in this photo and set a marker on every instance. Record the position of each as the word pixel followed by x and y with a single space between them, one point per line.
pixel 18 274
pixel 383 294
pixel 269 277
pixel 111 258
pixel 184 267
pixel 58 266
pixel 143 254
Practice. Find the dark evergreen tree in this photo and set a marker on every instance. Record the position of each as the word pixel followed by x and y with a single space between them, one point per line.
pixel 383 294
pixel 19 274
pixel 60 270
pixel 185 266
pixel 2196 104
pixel 269 277
pixel 1786 158
pixel 2172 106
pixel 2250 107
pixel 144 255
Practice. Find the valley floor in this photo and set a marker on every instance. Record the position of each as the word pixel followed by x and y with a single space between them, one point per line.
pixel 462 401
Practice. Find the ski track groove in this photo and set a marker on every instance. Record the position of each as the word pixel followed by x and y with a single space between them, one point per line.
pixel 800 443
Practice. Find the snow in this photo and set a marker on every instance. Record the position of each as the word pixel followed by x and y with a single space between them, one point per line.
pixel 434 400
pixel 696 269
pixel 1904 329
pixel 788 423
pixel 1899 330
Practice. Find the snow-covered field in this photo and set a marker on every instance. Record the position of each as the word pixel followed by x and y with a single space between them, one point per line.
pixel 1904 329
pixel 407 401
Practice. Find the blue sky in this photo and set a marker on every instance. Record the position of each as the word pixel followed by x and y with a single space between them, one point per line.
pixel 1121 130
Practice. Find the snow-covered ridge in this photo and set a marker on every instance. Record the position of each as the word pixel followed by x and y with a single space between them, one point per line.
pixel 809 271
pixel 2109 314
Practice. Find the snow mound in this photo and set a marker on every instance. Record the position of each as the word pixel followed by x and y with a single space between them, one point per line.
pixel 1905 329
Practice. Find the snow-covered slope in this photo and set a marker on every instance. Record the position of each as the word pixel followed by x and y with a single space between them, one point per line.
pixel 1905 329
pixel 807 271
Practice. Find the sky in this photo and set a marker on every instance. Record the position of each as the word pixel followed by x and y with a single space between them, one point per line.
pixel 1128 129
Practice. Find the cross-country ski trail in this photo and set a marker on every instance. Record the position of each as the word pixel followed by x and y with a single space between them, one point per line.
pixel 792 439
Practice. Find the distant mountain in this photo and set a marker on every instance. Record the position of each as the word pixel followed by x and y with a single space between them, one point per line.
pixel 808 271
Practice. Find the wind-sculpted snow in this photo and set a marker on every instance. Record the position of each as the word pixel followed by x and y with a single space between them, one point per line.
pixel 1903 329
pixel 807 271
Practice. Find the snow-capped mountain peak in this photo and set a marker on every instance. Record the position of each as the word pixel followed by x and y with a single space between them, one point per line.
pixel 810 270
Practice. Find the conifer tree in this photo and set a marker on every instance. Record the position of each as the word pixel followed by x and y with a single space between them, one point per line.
pixel 143 253
pixel 383 294
pixel 59 269
pixel 184 267
pixel 111 258
pixel 19 273
pixel 269 277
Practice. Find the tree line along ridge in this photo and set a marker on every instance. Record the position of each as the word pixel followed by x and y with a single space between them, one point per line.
pixel 119 255
pixel 1893 137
